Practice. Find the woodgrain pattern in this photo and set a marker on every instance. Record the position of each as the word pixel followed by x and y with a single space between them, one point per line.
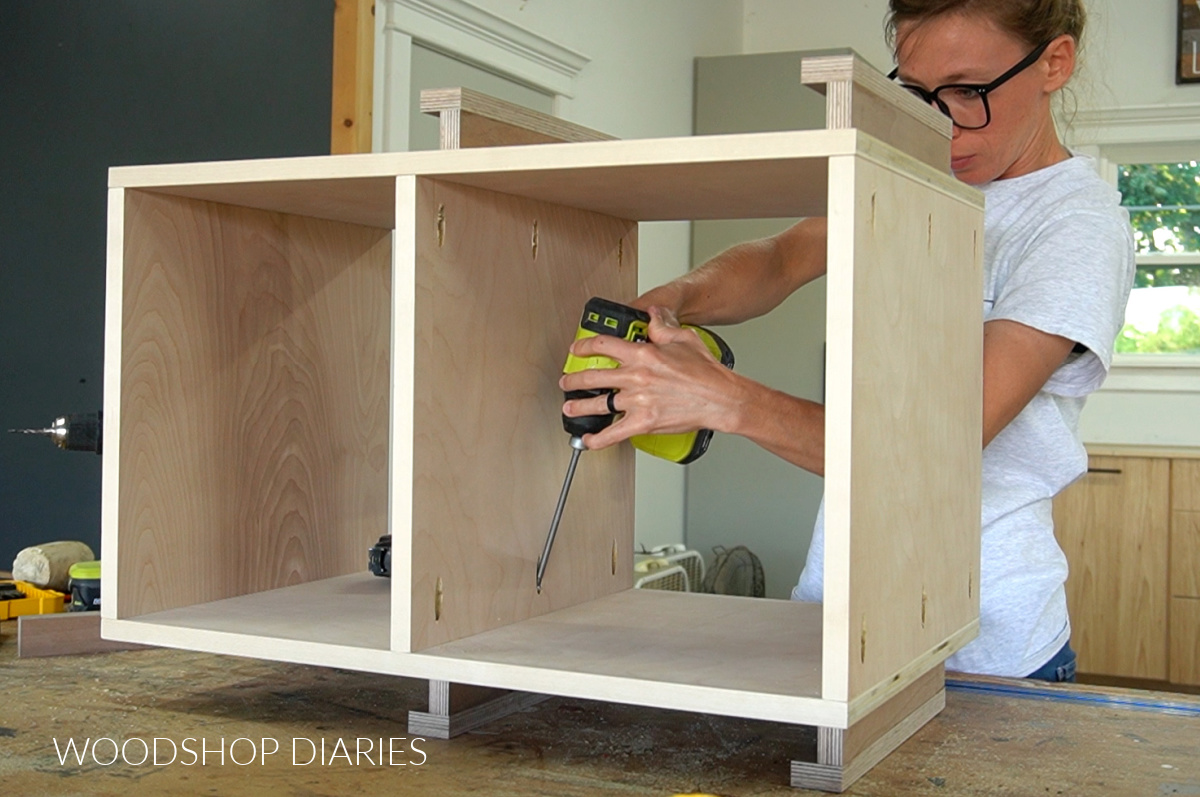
pixel 1185 641
pixel 750 657
pixel 1185 553
pixel 501 282
pixel 254 389
pixel 1185 484
pixel 469 118
pixel 902 461
pixel 1113 528
pixel 859 96
pixel 739 657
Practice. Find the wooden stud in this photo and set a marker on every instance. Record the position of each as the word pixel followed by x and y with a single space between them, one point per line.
pixel 353 76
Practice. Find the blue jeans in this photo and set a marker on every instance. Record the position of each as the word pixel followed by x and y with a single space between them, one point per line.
pixel 1060 668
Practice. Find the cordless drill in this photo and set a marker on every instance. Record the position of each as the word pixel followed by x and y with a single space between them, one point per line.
pixel 602 317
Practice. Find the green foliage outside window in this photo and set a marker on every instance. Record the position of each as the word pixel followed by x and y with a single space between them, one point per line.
pixel 1163 200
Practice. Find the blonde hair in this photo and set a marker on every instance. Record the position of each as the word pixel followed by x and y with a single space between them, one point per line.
pixel 1034 21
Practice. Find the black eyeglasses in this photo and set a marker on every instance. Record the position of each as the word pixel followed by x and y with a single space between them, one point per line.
pixel 966 103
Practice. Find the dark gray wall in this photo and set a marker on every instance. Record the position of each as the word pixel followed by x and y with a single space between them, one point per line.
pixel 85 85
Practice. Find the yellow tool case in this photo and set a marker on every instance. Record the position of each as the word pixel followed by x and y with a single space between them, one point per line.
pixel 35 600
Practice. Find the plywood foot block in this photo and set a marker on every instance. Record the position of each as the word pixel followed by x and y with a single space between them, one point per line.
pixel 455 709
pixel 843 756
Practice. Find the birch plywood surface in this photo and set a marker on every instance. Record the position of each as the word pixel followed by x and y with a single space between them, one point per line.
pixel 760 175
pixel 254 395
pixel 757 646
pixel 501 283
pixel 902 428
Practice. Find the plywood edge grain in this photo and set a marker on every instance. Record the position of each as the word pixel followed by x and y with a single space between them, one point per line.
pixel 851 68
pixel 114 293
pixel 523 678
pixel 542 157
pixel 401 404
pixel 883 154
pixel 919 668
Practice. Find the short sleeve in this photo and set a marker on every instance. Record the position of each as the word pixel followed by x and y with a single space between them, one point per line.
pixel 1072 278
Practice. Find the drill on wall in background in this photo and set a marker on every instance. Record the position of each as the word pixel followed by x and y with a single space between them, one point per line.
pixel 79 432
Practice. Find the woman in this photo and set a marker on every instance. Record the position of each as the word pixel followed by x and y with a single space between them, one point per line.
pixel 1058 262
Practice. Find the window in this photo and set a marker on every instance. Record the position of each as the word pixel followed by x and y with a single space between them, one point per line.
pixel 1163 200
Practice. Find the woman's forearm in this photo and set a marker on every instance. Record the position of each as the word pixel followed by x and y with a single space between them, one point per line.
pixel 747 280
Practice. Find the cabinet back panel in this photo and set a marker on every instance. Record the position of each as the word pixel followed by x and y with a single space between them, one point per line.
pixel 254 400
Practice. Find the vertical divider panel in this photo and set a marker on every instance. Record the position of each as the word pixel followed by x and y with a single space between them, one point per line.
pixel 401 433
pixel 501 282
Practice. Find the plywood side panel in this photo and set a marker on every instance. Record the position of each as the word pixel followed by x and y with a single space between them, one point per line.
pixel 501 282
pixel 1113 527
pixel 254 395
pixel 904 537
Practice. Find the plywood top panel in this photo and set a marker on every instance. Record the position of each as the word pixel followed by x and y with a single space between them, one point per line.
pixel 760 175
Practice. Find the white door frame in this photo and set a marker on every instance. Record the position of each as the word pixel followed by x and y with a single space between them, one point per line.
pixel 465 32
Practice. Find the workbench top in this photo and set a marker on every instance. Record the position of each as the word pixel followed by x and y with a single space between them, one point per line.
pixel 996 736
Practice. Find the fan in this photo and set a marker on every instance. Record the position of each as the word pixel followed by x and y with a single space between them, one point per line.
pixel 672 578
pixel 736 571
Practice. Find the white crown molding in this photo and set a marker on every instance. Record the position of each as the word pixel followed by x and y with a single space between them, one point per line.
pixel 469 33
pixel 1140 124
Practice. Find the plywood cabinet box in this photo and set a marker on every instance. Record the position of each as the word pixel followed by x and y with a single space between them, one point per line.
pixel 304 354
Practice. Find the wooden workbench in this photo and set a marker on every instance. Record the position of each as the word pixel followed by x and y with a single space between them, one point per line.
pixel 989 740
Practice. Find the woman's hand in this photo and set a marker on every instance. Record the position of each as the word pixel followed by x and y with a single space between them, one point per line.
pixel 671 384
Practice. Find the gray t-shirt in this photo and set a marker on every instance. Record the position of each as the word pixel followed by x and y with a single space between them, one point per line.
pixel 1058 257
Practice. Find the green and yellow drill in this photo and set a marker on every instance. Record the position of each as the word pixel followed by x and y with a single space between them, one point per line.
pixel 602 317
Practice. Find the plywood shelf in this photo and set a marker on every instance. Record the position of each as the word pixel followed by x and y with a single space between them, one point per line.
pixel 352 611
pixel 737 656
